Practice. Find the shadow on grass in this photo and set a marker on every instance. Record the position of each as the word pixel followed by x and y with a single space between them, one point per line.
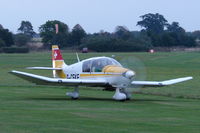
pixel 60 98
pixel 68 99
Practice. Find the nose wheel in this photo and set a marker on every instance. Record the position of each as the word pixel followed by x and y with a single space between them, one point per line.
pixel 119 96
pixel 127 93
pixel 122 95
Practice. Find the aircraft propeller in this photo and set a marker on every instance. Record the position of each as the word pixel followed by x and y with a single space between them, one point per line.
pixel 137 70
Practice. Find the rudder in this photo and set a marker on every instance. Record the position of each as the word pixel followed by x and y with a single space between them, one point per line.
pixel 57 62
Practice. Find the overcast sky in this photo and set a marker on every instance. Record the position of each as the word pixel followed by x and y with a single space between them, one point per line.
pixel 96 15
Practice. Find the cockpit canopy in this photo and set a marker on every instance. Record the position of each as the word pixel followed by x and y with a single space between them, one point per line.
pixel 97 64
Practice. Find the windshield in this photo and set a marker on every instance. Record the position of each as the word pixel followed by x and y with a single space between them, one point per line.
pixel 96 65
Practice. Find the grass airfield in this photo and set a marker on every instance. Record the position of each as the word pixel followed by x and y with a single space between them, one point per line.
pixel 26 108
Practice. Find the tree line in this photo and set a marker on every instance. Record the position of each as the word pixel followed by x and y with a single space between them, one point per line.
pixel 156 32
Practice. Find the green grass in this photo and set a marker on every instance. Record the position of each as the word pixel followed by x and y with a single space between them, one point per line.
pixel 26 108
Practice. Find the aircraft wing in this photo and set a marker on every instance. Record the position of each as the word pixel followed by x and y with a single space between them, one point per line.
pixel 44 68
pixel 42 80
pixel 160 83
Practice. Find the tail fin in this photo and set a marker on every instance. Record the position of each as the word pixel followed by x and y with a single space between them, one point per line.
pixel 57 62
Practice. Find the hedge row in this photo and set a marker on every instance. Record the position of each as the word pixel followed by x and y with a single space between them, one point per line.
pixel 14 49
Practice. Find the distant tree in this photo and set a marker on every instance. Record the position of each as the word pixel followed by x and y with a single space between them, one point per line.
pixel 49 36
pixel 7 37
pixel 174 27
pixel 1 27
pixel 142 38
pixel 178 36
pixel 77 34
pixel 122 32
pixel 105 43
pixel 98 43
pixel 153 23
pixel 2 43
pixel 26 28
pixel 174 35
pixel 105 33
pixel 168 40
pixel 196 34
pixel 21 39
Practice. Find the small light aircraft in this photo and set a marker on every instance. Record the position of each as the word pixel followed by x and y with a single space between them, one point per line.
pixel 95 72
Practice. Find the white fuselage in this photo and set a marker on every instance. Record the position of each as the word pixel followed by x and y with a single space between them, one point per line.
pixel 114 77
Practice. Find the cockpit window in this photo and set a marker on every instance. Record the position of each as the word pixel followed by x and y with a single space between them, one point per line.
pixel 87 66
pixel 96 65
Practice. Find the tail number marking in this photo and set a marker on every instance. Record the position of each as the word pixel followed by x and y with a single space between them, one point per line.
pixel 73 76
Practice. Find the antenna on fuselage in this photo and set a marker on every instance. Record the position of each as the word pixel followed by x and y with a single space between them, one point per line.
pixel 77 57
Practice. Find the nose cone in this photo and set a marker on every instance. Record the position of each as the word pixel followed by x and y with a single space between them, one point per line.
pixel 129 74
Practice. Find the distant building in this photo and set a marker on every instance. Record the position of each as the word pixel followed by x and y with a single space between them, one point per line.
pixel 36 42
pixel 85 50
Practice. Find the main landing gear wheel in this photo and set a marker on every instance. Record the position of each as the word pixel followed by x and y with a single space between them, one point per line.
pixel 75 94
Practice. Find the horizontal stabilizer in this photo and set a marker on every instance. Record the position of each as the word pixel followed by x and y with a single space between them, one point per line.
pixel 160 83
pixel 42 80
pixel 44 68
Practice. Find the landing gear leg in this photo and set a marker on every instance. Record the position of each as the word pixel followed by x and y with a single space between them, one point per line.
pixel 118 95
pixel 74 94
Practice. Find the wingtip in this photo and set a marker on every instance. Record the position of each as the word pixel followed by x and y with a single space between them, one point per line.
pixel 189 78
pixel 31 68
pixel 12 71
